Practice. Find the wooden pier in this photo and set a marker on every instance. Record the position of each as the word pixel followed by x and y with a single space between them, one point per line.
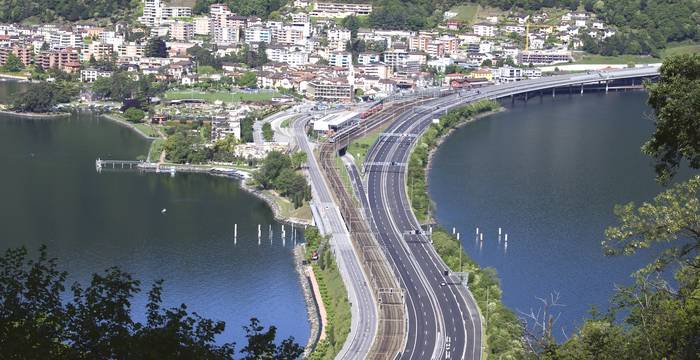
pixel 172 169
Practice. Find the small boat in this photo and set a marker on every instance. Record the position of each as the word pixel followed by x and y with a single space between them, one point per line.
pixel 164 211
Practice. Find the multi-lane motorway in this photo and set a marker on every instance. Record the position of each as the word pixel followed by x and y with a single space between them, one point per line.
pixel 443 321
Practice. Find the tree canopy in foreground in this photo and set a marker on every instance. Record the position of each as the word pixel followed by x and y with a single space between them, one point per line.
pixel 36 322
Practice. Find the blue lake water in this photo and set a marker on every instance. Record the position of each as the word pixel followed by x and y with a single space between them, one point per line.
pixel 548 173
pixel 51 194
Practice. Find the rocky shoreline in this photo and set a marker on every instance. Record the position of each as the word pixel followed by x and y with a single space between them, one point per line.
pixel 311 301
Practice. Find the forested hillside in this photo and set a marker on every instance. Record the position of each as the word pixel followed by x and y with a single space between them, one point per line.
pixel 71 10
pixel 644 26
pixel 261 8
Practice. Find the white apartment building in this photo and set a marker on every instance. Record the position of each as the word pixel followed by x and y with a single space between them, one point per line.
pixel 483 29
pixel 156 11
pixel 368 58
pixel 257 34
pixel 340 10
pixel 338 38
pixel 90 75
pixel 201 25
pixel 62 39
pixel 289 35
pixel 340 59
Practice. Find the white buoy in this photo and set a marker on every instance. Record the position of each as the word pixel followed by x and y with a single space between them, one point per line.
pixel 477 230
pixel 506 237
pixel 481 236
pixel 499 231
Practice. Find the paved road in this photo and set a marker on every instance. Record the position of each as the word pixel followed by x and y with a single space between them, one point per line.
pixel 363 304
pixel 444 321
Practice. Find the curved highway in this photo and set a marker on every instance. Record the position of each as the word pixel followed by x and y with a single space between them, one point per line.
pixel 443 318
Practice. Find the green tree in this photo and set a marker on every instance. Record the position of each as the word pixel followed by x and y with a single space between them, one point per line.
pixel 267 132
pixel 43 97
pixel 156 48
pixel 249 79
pixel 261 344
pixel 95 322
pixel 273 164
pixel 351 23
pixel 13 63
pixel 675 102
pixel 298 159
pixel 134 115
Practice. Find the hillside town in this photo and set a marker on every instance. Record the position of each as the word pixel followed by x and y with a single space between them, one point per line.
pixel 309 50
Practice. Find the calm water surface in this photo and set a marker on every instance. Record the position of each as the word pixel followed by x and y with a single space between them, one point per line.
pixel 549 174
pixel 52 195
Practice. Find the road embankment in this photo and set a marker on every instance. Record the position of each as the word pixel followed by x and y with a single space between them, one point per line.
pixel 504 331
pixel 331 294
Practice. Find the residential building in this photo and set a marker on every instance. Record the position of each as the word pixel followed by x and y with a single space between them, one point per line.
pixel 485 29
pixel 340 10
pixel 338 38
pixel 155 12
pixel 24 53
pixel 340 59
pixel 92 74
pixel 67 59
pixel 332 90
pixel 258 34
pixel 181 31
pixel 202 25
pixel 544 57
pixel 368 58
pixel 97 50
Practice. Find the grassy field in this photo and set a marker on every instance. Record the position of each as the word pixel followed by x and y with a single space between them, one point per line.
pixel 155 150
pixel 223 96
pixel 206 70
pixel 359 147
pixel 147 129
pixel 287 209
pixel 466 13
pixel 680 48
pixel 622 59
pixel 671 50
